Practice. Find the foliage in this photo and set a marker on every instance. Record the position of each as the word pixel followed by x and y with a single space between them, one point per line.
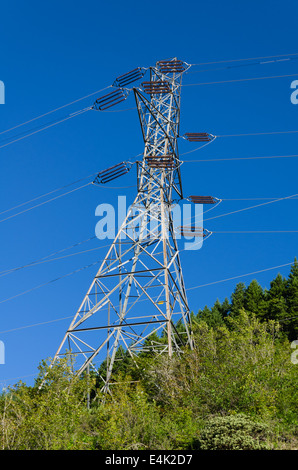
pixel 130 421
pixel 46 418
pixel 279 303
pixel 226 393
pixel 234 432
pixel 240 368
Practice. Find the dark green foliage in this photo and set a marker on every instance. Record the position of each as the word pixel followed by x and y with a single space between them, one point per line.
pixel 291 297
pixel 123 363
pixel 237 298
pixel 276 299
pixel 279 303
pixel 254 298
pixel 214 316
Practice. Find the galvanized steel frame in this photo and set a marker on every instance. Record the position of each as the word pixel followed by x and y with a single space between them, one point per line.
pixel 143 261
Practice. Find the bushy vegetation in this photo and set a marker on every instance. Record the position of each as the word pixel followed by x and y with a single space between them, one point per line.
pixel 237 389
pixel 234 433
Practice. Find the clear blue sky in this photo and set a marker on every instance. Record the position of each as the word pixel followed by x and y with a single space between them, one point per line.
pixel 53 53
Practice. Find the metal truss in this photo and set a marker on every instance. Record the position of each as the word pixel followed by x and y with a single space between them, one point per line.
pixel 139 288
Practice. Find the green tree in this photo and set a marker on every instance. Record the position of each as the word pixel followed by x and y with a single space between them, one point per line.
pixel 254 299
pixel 225 308
pixel 237 298
pixel 291 294
pixel 212 317
pixel 276 301
pixel 277 287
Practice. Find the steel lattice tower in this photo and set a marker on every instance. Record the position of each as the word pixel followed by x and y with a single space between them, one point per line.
pixel 143 261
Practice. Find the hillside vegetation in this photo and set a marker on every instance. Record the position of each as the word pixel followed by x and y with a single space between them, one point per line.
pixel 238 389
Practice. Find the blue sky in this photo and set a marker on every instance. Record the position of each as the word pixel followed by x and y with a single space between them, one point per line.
pixel 52 54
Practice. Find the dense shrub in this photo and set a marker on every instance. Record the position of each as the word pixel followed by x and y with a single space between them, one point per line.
pixel 235 432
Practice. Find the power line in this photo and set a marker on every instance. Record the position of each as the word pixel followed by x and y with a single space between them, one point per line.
pixel 52 123
pixel 50 282
pixel 16 378
pixel 54 110
pixel 190 288
pixel 258 133
pixel 255 231
pixel 48 193
pixel 238 135
pixel 250 207
pixel 241 275
pixel 240 80
pixel 45 202
pixel 243 65
pixel 221 215
pixel 93 93
pixel 246 59
pixel 55 123
pixel 198 148
pixel 110 86
pixel 45 258
pixel 42 126
pixel 236 158
pixel 34 324
pixel 251 199
pixel 253 207
pixel 59 189
pixel 61 195
pixel 90 265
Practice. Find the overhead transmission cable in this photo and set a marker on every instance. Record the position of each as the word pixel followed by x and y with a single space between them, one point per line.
pixel 240 276
pixel 47 126
pixel 239 80
pixel 48 193
pixel 252 207
pixel 79 112
pixel 236 158
pixel 254 231
pixel 258 133
pixel 245 59
pixel 45 202
pixel 210 232
pixel 110 86
pixel 46 258
pixel 209 138
pixel 54 110
pixel 41 261
pixel 252 198
pixel 244 209
pixel 50 282
pixel 243 65
pixel 238 135
pixel 127 79
pixel 125 165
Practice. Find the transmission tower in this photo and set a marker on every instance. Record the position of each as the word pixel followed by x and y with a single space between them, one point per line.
pixel 139 288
